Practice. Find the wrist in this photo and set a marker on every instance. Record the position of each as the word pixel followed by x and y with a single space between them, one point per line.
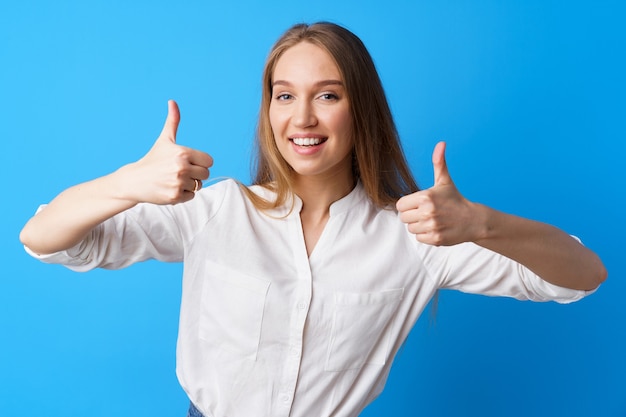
pixel 483 222
pixel 123 185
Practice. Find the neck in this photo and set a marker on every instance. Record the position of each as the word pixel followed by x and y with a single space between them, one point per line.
pixel 317 194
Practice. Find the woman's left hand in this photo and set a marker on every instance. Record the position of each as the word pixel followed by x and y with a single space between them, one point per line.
pixel 440 215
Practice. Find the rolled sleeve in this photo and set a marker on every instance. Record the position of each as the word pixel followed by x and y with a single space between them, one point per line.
pixel 470 268
pixel 141 233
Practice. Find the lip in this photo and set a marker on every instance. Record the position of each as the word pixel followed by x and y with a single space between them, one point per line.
pixel 307 135
pixel 310 149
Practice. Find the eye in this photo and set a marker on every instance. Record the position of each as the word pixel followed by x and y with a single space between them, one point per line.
pixel 283 97
pixel 329 96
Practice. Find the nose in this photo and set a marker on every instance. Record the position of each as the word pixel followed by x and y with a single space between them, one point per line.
pixel 303 114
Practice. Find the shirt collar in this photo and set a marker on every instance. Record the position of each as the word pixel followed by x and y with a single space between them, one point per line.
pixel 344 204
pixel 349 201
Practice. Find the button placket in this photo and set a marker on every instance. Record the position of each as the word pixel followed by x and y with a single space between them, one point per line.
pixel 302 297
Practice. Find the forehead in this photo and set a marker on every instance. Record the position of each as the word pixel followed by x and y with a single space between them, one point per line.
pixel 306 62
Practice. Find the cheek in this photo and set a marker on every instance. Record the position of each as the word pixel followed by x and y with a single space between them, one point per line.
pixel 275 126
pixel 272 119
pixel 343 123
pixel 276 122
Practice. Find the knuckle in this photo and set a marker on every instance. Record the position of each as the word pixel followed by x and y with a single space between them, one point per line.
pixel 413 228
pixel 180 153
pixel 175 195
pixel 437 240
pixel 426 195
pixel 429 213
pixel 431 239
pixel 172 200
pixel 181 170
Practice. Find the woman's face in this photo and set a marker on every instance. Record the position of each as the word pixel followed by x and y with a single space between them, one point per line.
pixel 310 113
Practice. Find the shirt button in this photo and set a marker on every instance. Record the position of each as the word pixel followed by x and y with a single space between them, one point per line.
pixel 284 397
pixel 301 305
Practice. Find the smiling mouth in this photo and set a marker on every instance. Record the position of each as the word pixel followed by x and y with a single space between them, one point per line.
pixel 308 141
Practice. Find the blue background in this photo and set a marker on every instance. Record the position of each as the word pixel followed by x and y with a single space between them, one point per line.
pixel 530 96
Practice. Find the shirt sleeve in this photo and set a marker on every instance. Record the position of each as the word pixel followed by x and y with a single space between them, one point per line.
pixel 146 231
pixel 470 268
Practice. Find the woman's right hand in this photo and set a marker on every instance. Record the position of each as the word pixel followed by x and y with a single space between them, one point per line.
pixel 169 173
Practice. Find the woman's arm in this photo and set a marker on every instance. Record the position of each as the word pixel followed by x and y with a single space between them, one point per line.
pixel 167 174
pixel 441 216
pixel 547 251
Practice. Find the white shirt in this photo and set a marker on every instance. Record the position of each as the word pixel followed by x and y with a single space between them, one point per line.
pixel 266 330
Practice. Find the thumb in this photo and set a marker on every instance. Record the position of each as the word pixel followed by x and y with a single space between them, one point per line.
pixel 171 122
pixel 442 176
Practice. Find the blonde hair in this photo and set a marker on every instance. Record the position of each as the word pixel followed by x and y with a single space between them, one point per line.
pixel 378 160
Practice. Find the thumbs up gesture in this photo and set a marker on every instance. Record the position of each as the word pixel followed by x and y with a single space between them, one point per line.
pixel 169 173
pixel 440 215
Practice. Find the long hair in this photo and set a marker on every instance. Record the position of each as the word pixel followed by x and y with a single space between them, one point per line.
pixel 378 160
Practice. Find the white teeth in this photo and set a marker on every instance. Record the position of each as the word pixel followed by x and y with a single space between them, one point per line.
pixel 307 141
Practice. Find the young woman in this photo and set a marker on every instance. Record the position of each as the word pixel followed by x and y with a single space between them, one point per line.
pixel 299 290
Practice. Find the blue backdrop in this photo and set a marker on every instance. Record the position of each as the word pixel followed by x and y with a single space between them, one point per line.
pixel 528 94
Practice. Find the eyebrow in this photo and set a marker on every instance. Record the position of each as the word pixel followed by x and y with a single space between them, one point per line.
pixel 318 84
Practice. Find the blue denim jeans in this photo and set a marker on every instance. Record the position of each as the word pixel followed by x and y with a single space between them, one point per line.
pixel 193 411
